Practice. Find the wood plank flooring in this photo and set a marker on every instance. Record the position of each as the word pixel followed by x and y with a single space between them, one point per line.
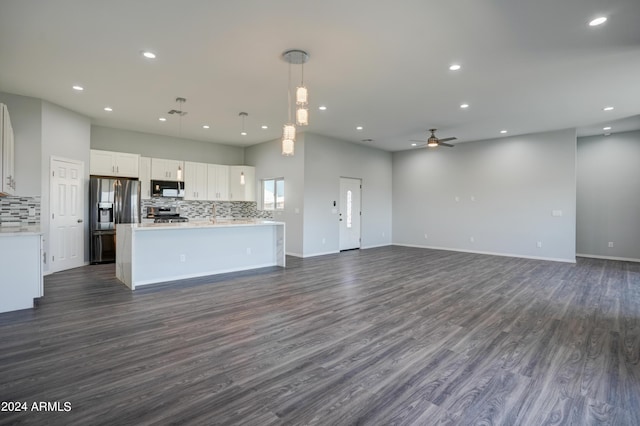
pixel 385 336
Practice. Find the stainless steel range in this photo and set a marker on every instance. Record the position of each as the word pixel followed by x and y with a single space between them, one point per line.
pixel 165 215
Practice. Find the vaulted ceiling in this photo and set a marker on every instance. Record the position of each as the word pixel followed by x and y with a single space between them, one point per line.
pixel 525 66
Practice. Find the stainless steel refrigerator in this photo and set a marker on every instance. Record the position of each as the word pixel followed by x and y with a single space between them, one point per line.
pixel 111 201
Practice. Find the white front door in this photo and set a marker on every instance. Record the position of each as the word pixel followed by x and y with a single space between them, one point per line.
pixel 66 225
pixel 350 213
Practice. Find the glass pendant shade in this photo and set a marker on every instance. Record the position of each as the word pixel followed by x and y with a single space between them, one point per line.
pixel 301 95
pixel 289 132
pixel 302 116
pixel 241 178
pixel 287 147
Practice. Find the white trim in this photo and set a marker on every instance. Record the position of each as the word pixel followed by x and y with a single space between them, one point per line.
pixel 320 254
pixel 295 254
pixel 376 246
pixel 490 253
pixel 595 256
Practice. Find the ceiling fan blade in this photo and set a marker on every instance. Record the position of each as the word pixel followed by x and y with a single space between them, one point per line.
pixel 415 140
pixel 447 139
pixel 445 144
pixel 420 146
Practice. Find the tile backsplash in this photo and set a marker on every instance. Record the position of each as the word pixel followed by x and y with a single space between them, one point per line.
pixel 203 209
pixel 23 210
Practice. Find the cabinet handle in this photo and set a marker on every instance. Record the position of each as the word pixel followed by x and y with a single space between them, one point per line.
pixel 118 169
pixel 113 169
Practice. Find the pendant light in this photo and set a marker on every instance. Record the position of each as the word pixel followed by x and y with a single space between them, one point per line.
pixel 242 178
pixel 243 115
pixel 180 113
pixel 302 115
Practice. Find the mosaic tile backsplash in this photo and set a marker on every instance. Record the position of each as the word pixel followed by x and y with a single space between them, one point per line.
pixel 202 209
pixel 22 210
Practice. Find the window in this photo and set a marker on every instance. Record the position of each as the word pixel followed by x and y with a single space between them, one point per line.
pixel 273 194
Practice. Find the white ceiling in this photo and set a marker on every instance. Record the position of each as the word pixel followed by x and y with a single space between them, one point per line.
pixel 526 66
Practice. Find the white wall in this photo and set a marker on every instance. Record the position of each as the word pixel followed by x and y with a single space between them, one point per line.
pixel 608 208
pixel 158 146
pixel 506 191
pixel 269 163
pixel 26 119
pixel 326 161
pixel 65 134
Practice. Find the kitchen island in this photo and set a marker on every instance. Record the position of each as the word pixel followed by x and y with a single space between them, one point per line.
pixel 21 265
pixel 148 253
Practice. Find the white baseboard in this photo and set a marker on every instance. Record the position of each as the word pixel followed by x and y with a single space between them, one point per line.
pixel 320 254
pixel 294 254
pixel 595 256
pixel 490 253
pixel 376 246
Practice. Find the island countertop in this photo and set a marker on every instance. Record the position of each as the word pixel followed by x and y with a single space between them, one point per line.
pixel 148 253
pixel 218 223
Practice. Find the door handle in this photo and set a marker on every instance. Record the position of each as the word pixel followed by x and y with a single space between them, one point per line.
pixel 79 220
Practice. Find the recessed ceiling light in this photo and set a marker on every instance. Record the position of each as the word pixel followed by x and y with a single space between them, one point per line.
pixel 598 21
pixel 463 106
pixel 264 126
pixel 414 144
pixel 609 108
pixel 359 128
pixel 149 55
pixel 108 109
pixel 78 88
pixel 455 67
pixel 243 133
pixel 322 108
pixel 205 126
pixel 606 128
pixel 503 131
pixel 162 119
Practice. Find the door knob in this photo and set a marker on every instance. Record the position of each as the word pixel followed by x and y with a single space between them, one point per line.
pixel 79 220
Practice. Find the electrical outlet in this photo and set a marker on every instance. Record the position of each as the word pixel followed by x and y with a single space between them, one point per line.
pixel 472 240
pixel 248 250
pixel 183 258
pixel 539 244
pixel 324 240
pixel 610 244
pixel 426 236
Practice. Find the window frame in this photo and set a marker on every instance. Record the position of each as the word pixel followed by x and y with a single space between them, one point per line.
pixel 275 194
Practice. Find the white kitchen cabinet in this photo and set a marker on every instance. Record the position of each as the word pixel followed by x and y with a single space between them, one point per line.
pixel 7 153
pixel 239 191
pixel 217 182
pixel 145 178
pixel 110 163
pixel 163 169
pixel 195 181
pixel 21 266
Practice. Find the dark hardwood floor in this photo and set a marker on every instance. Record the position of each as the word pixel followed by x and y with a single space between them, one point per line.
pixel 383 336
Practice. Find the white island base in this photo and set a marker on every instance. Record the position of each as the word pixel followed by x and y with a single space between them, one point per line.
pixel 153 253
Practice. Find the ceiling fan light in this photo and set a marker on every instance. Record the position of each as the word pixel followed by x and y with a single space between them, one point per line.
pixel 302 116
pixel 432 143
pixel 302 96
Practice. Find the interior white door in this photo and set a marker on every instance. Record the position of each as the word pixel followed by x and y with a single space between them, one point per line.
pixel 350 213
pixel 67 215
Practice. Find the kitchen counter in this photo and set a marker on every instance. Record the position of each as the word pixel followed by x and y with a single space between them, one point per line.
pixel 148 253
pixel 12 231
pixel 21 266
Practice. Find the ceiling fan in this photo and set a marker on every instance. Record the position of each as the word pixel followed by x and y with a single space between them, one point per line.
pixel 433 141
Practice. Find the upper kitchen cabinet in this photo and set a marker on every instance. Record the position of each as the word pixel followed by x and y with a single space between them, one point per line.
pixel 8 184
pixel 195 181
pixel 109 163
pixel 145 178
pixel 217 182
pixel 162 169
pixel 242 183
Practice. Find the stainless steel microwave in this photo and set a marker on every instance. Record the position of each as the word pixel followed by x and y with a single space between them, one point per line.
pixel 165 188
